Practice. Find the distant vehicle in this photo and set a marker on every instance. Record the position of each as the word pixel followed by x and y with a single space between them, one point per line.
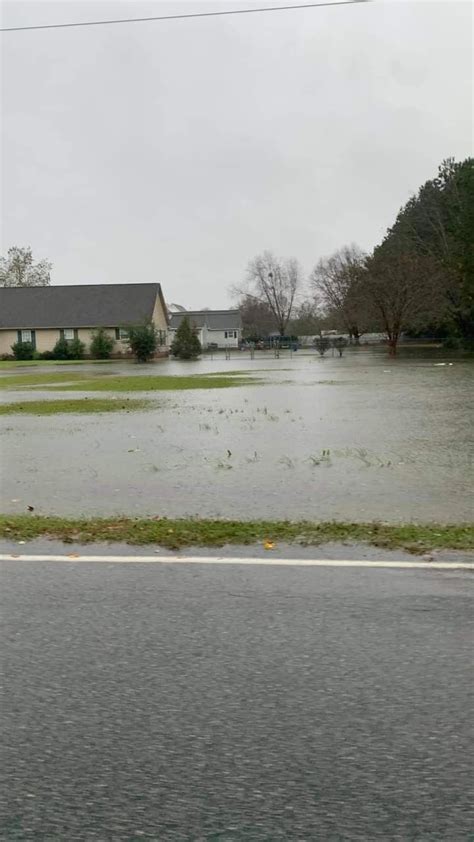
pixel 272 341
pixel 275 340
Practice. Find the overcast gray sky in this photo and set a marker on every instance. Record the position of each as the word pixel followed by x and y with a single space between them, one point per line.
pixel 176 151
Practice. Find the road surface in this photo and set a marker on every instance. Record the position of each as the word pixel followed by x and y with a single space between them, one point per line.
pixel 231 702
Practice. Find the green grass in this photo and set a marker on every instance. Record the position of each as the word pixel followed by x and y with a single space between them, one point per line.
pixel 175 534
pixel 12 364
pixel 18 381
pixel 150 382
pixel 75 381
pixel 76 405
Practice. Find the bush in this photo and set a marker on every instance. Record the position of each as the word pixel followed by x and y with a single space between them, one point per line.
pixel 23 350
pixel 6 358
pixel 143 341
pixel 64 350
pixel 185 345
pixel 47 355
pixel 340 342
pixel 76 349
pixel 102 345
pixel 322 344
pixel 61 350
pixel 452 343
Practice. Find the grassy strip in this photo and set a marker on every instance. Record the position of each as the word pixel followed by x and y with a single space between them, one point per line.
pixel 151 383
pixel 12 364
pixel 44 379
pixel 135 383
pixel 77 405
pixel 175 534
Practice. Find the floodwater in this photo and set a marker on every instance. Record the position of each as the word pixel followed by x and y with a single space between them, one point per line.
pixel 358 438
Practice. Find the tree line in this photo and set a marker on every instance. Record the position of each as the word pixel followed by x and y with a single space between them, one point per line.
pixel 419 279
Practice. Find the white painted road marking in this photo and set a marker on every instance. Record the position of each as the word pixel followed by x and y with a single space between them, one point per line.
pixel 264 562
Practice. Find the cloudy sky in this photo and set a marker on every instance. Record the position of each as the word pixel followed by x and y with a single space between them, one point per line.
pixel 176 151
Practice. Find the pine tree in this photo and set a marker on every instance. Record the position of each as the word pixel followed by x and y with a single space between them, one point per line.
pixel 185 345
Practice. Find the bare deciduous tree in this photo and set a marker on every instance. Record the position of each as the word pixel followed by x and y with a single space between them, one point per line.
pixel 404 290
pixel 19 270
pixel 307 319
pixel 275 283
pixel 257 318
pixel 337 280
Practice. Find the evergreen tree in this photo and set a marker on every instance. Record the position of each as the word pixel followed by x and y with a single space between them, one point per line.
pixel 143 341
pixel 102 345
pixel 438 223
pixel 185 345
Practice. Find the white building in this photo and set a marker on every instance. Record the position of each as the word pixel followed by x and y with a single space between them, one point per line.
pixel 215 328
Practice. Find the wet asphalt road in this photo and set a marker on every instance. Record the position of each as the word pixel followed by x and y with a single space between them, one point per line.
pixel 227 703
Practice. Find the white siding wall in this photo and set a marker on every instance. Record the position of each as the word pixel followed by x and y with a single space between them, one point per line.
pixel 222 338
pixel 208 337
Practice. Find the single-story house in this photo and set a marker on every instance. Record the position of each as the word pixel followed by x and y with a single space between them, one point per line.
pixel 214 328
pixel 42 315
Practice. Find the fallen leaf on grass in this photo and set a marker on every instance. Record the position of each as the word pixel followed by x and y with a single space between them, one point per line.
pixel 269 545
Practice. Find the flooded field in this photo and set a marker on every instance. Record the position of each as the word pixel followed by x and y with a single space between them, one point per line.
pixel 358 438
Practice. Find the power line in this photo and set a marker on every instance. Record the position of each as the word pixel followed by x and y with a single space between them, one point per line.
pixel 184 16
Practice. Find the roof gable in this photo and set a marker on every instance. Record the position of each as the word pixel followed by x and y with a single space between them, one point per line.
pixel 99 305
pixel 212 319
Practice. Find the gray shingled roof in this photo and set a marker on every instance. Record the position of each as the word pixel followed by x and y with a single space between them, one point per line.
pixel 101 305
pixel 214 319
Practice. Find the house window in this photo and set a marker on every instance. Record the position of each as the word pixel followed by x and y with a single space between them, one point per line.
pixel 230 334
pixel 121 334
pixel 69 334
pixel 26 336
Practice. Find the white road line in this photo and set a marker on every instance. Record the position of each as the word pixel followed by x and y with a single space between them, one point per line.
pixel 263 562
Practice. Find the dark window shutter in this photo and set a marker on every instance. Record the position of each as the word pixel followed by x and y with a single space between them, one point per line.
pixel 117 333
pixel 18 335
pixel 33 338
pixel 76 333
pixel 61 333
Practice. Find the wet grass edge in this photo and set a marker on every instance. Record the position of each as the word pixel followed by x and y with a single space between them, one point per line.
pixel 75 406
pixel 77 382
pixel 179 533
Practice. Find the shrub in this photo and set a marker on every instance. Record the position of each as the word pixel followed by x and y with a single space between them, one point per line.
pixel 61 350
pixel 185 345
pixel 6 358
pixel 76 349
pixel 340 342
pixel 47 355
pixel 102 345
pixel 23 350
pixel 452 343
pixel 64 350
pixel 143 341
pixel 322 344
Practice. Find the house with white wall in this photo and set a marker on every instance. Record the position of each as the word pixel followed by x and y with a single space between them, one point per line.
pixel 214 328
